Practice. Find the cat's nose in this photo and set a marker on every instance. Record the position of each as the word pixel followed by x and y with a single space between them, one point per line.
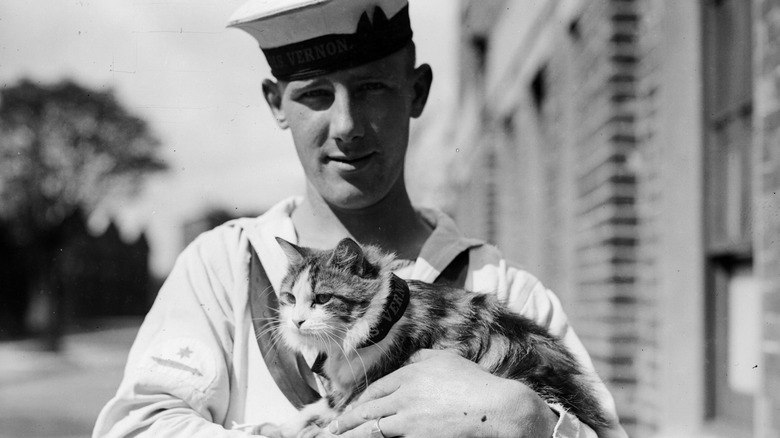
pixel 298 322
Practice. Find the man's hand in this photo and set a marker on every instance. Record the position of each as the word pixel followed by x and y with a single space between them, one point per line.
pixel 442 394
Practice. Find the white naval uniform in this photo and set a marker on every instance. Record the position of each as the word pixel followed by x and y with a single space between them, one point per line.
pixel 195 369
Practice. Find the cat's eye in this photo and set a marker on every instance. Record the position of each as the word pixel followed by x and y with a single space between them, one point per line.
pixel 322 298
pixel 287 298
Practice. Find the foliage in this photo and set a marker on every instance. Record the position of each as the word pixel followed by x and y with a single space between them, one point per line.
pixel 64 147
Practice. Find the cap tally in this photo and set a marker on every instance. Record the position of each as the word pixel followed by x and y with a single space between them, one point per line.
pixel 307 38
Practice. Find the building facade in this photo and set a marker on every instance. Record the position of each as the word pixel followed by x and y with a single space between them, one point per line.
pixel 628 154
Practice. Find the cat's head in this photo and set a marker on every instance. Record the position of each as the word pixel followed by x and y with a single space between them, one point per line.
pixel 329 300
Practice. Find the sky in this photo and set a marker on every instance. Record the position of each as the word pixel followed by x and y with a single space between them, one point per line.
pixel 198 84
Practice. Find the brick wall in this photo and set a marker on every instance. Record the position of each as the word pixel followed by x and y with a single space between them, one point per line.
pixel 605 215
pixel 552 187
pixel 648 161
pixel 767 94
pixel 471 177
pixel 586 168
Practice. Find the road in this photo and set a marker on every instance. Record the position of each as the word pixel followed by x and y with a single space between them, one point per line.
pixel 45 394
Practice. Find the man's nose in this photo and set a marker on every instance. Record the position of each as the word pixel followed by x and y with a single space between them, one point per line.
pixel 345 121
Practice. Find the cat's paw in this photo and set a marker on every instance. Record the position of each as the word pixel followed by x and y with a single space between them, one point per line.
pixel 269 430
pixel 314 431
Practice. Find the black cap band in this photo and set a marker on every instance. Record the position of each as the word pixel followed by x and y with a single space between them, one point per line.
pixel 374 39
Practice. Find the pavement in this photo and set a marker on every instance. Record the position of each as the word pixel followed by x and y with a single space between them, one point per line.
pixel 45 394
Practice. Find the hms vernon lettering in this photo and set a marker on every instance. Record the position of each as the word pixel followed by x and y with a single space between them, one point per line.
pixel 310 54
pixel 394 307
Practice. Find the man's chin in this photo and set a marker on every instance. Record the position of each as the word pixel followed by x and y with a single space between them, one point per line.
pixel 353 202
pixel 352 198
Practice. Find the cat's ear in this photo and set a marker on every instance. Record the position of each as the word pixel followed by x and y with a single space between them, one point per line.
pixel 294 253
pixel 349 255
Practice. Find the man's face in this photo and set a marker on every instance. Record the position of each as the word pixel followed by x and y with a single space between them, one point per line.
pixel 351 128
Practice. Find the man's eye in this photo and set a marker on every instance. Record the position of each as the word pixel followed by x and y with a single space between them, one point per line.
pixel 373 86
pixel 314 94
pixel 322 298
pixel 287 298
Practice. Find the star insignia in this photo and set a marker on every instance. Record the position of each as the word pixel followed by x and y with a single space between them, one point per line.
pixel 184 353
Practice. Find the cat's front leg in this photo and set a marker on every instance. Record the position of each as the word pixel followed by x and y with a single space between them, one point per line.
pixel 269 430
pixel 275 431
pixel 314 431
pixel 318 414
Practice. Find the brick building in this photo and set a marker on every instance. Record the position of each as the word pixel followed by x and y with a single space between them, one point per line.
pixel 628 153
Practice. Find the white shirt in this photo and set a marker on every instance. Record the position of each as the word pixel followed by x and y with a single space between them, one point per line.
pixel 195 369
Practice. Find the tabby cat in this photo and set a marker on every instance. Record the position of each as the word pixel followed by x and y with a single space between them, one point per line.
pixel 365 322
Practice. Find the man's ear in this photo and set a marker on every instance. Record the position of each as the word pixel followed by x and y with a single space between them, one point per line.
pixel 423 78
pixel 272 91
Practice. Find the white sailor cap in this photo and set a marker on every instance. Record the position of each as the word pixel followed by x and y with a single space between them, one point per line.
pixel 307 38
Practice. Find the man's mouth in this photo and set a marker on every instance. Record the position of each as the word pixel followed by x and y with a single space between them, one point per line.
pixel 352 162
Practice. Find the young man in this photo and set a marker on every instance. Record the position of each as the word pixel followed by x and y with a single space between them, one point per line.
pixel 346 87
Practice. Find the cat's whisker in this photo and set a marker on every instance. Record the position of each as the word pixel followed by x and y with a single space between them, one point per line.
pixel 272 310
pixel 341 331
pixel 383 350
pixel 263 333
pixel 346 358
pixel 270 329
pixel 330 339
pixel 365 371
pixel 268 318
pixel 271 322
pixel 269 290
pixel 321 339
pixel 316 333
pixel 277 338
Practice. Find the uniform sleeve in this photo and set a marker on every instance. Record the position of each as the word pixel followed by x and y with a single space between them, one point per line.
pixel 176 380
pixel 527 296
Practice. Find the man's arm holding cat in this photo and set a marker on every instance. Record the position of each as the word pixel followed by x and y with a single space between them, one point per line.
pixel 442 394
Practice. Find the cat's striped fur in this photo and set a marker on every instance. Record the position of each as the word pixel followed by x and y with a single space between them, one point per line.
pixel 330 300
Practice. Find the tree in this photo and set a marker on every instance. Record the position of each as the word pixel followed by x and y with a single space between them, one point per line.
pixel 65 148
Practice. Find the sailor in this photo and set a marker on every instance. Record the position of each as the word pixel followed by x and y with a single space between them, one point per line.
pixel 346 85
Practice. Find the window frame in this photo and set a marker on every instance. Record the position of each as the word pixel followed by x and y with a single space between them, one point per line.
pixel 727 170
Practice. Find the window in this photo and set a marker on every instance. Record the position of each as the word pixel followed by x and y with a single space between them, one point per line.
pixel 733 330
